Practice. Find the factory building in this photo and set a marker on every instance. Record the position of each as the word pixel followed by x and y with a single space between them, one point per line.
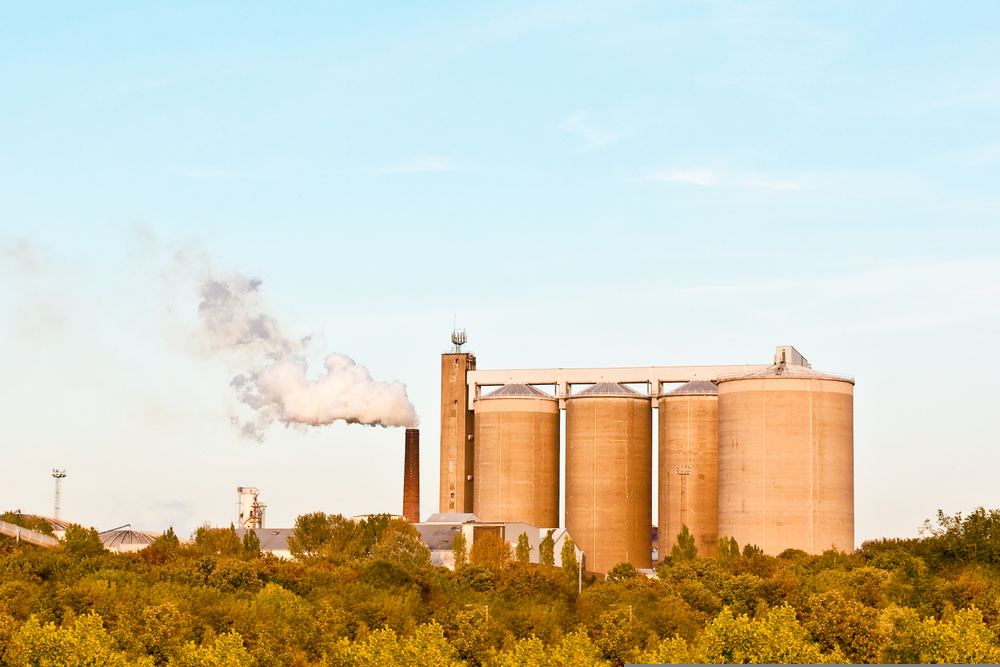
pixel 762 453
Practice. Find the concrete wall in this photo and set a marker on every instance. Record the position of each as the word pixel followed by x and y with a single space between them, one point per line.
pixel 688 491
pixel 786 463
pixel 457 445
pixel 609 485
pixel 517 460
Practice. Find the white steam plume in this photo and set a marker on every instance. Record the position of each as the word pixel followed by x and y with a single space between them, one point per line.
pixel 346 391
pixel 232 319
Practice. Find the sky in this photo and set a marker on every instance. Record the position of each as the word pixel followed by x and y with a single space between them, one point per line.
pixel 574 184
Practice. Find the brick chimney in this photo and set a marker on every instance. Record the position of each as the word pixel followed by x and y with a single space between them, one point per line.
pixel 411 476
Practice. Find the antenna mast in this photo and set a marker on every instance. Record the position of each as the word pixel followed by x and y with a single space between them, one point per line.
pixel 458 339
pixel 59 475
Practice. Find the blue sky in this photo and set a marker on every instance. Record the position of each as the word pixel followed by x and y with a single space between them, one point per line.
pixel 599 184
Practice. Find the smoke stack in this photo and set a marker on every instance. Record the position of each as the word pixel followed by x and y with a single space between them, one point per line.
pixel 411 476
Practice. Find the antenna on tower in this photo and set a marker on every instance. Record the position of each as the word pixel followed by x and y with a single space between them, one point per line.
pixel 458 339
pixel 59 475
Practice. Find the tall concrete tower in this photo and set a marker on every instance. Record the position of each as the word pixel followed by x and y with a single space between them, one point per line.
pixel 457 428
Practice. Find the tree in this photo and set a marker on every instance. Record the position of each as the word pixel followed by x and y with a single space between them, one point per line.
pixel 218 541
pixel 964 639
pixel 251 544
pixel 490 549
pixel 838 623
pixel 575 650
pixel 85 643
pixel 685 548
pixel 310 535
pixel 371 530
pixel 235 575
pixel 163 548
pixel 622 572
pixel 426 647
pixel 401 544
pixel 523 552
pixel 226 651
pixel 776 638
pixel 729 549
pixel 82 542
pixel 460 550
pixel 569 564
pixel 547 550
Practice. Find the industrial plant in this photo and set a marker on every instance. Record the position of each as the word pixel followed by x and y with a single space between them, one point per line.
pixel 763 454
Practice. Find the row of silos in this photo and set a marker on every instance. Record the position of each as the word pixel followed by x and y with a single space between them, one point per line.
pixel 766 458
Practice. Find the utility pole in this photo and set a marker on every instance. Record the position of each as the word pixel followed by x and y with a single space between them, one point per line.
pixel 59 475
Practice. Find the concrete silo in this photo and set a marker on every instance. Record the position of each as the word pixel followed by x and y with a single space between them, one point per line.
pixel 517 456
pixel 786 459
pixel 609 466
pixel 688 491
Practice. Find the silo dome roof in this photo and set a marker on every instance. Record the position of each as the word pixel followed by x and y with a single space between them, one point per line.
pixel 790 371
pixel 126 540
pixel 518 391
pixel 695 388
pixel 608 389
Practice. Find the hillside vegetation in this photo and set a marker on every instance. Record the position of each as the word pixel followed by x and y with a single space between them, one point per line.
pixel 363 594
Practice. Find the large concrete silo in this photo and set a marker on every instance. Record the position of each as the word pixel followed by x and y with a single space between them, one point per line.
pixel 688 491
pixel 786 459
pixel 609 468
pixel 517 456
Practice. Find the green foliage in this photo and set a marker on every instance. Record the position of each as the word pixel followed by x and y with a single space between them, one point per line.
pixel 221 542
pixel 729 549
pixel 575 649
pixel 973 539
pixel 523 552
pixel 964 639
pixel 366 594
pixel 685 548
pixel 490 549
pixel 400 543
pixel 547 550
pixel 226 651
pixel 235 575
pixel 460 550
pixel 311 535
pixel 251 544
pixel 623 572
pixel 82 542
pixel 568 554
pixel 841 624
pixel 426 647
pixel 776 638
pixel 83 643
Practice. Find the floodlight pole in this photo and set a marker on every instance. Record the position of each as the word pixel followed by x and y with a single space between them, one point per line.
pixel 58 475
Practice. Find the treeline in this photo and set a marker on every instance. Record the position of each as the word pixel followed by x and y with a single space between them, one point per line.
pixel 366 593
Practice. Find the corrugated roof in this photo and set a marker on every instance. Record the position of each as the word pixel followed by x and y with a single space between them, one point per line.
pixel 517 391
pixel 695 388
pixel 613 389
pixel 57 524
pixel 271 539
pixel 437 537
pixel 787 371
pixel 453 518
pixel 116 540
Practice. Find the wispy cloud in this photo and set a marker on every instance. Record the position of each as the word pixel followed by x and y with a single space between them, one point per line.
pixel 580 124
pixel 723 178
pixel 425 164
